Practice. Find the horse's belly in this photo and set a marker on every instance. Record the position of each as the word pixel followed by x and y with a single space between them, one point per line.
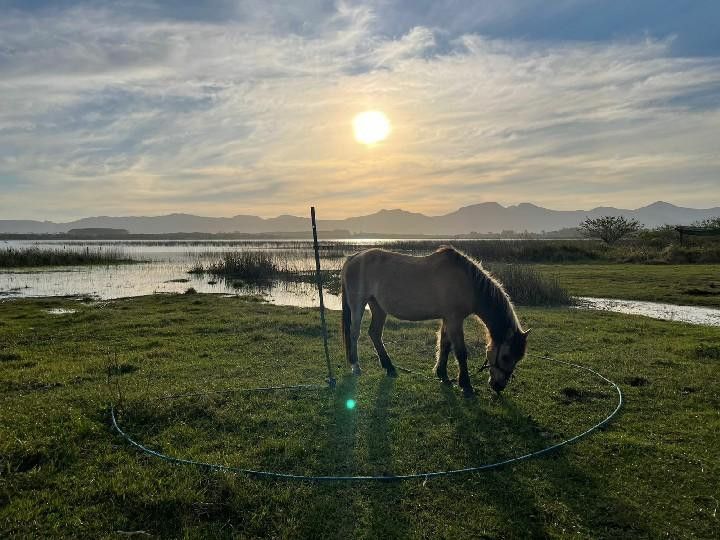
pixel 415 315
pixel 416 307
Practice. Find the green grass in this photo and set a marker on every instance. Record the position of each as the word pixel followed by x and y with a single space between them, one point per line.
pixel 63 472
pixel 676 284
pixel 34 256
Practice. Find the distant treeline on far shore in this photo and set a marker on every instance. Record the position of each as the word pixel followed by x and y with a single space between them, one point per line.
pixel 337 234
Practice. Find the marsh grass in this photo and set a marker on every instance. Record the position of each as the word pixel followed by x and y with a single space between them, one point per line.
pixel 648 248
pixel 523 283
pixel 34 256
pixel 265 266
pixel 254 265
pixel 249 265
pixel 527 286
pixel 513 251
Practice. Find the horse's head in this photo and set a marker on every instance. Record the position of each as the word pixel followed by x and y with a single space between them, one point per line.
pixel 503 357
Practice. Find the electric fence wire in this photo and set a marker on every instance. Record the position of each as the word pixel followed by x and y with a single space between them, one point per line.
pixel 384 478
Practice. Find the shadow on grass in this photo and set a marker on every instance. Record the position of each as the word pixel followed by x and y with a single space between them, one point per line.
pixel 523 507
pixel 521 500
pixel 384 519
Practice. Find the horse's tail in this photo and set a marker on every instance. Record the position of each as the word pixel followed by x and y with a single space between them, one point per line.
pixel 346 320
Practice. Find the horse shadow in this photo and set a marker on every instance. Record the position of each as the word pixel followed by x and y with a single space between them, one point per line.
pixel 367 509
pixel 524 498
pixel 522 508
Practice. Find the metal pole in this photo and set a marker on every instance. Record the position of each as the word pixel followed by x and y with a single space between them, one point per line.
pixel 331 379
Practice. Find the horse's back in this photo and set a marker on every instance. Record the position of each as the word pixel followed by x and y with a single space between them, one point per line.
pixel 409 287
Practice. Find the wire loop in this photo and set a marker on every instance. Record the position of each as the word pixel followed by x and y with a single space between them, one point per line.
pixel 389 478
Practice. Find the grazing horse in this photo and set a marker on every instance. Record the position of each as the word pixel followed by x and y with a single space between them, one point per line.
pixel 446 285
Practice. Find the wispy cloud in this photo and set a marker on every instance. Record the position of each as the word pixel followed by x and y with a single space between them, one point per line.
pixel 128 110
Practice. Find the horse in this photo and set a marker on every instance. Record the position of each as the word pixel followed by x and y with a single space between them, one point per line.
pixel 446 285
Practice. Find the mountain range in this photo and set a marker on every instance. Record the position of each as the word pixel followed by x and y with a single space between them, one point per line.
pixel 489 217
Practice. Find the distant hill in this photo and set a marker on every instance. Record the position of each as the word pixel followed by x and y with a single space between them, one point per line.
pixel 481 218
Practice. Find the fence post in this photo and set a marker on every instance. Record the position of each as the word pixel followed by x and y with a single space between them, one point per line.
pixel 331 379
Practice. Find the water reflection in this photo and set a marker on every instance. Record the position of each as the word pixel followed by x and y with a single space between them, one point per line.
pixel 655 310
pixel 120 281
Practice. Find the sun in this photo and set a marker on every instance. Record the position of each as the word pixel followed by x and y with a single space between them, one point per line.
pixel 371 127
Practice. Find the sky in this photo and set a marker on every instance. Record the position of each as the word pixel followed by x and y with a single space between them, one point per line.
pixel 245 107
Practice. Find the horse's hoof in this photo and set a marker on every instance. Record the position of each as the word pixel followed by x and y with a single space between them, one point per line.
pixel 445 380
pixel 392 372
pixel 468 392
pixel 355 368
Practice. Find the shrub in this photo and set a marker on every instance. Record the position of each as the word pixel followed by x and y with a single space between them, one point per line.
pixel 609 229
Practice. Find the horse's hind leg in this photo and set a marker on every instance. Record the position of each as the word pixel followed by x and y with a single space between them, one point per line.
pixel 357 308
pixel 457 338
pixel 376 329
pixel 444 346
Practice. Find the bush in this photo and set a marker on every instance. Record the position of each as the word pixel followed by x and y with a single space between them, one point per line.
pixel 609 229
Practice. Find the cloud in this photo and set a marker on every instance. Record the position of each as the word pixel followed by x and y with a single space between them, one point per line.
pixel 246 108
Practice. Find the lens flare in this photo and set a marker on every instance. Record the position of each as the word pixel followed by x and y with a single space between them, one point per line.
pixel 350 404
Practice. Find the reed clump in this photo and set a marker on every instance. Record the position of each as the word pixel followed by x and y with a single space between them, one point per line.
pixel 257 266
pixel 26 257
pixel 527 286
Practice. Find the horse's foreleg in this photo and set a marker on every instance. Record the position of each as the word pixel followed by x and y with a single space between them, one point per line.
pixel 376 329
pixel 444 346
pixel 457 338
pixel 358 309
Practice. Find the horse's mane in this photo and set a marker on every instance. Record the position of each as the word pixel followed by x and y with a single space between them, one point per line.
pixel 492 303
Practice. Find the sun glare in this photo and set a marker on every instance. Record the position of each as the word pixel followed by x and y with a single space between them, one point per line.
pixel 371 127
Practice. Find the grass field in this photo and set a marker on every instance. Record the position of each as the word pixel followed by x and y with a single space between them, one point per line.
pixel 675 284
pixel 653 472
